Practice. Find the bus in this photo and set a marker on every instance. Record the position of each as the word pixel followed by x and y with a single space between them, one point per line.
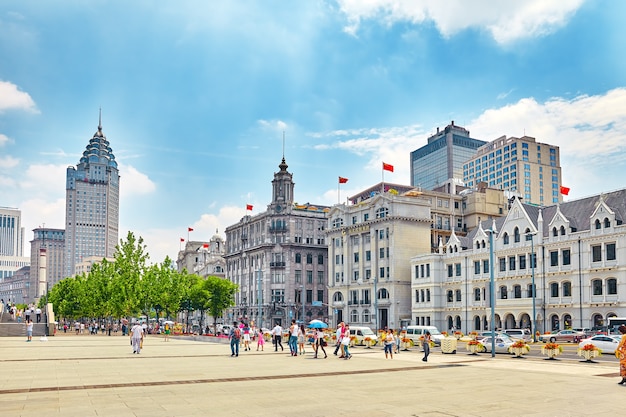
pixel 614 323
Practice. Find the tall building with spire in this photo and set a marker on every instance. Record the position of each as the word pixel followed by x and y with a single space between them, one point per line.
pixel 92 204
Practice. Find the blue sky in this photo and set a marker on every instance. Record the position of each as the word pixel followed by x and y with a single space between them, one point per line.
pixel 196 95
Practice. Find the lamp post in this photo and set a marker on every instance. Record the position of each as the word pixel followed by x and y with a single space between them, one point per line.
pixel 492 296
pixel 531 237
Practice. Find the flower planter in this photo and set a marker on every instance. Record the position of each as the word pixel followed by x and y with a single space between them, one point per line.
pixel 518 349
pixel 473 348
pixel 552 353
pixel 588 355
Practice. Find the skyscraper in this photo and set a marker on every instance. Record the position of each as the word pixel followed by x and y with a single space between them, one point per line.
pixel 92 204
pixel 442 158
pixel 11 242
pixel 53 242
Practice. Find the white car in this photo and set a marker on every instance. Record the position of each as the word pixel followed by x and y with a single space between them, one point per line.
pixel 607 344
pixel 502 344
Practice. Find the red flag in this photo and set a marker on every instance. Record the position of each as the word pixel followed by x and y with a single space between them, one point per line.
pixel 249 207
pixel 387 167
pixel 564 190
pixel 190 229
pixel 342 180
pixel 182 240
pixel 205 245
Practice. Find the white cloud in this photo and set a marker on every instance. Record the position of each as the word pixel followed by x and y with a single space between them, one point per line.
pixel 12 98
pixel 134 182
pixel 4 139
pixel 505 21
pixel 273 125
pixel 8 162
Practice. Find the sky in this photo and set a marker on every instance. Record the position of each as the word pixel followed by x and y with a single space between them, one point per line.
pixel 196 97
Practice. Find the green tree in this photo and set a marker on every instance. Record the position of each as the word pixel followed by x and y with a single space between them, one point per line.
pixel 221 296
pixel 130 265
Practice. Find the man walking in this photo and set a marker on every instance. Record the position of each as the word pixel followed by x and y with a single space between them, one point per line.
pixel 234 336
pixel 339 335
pixel 293 338
pixel 277 333
pixel 426 345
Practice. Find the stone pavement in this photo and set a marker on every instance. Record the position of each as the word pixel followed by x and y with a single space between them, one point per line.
pixel 87 375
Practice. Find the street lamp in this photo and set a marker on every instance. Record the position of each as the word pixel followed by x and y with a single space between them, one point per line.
pixel 531 237
pixel 492 296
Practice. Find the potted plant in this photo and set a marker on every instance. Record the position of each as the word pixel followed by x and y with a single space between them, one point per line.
pixel 474 346
pixel 519 348
pixel 406 343
pixel 473 335
pixel 589 351
pixel 552 350
pixel 369 342
pixel 458 335
pixel 352 340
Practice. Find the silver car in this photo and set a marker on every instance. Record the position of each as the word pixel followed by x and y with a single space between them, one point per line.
pixel 502 344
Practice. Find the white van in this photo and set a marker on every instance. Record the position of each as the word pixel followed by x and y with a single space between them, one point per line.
pixel 519 334
pixel 416 332
pixel 361 333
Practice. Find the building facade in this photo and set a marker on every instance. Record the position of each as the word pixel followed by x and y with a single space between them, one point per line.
pixel 92 204
pixel 14 289
pixel 278 258
pixel 574 253
pixel 522 166
pixel 11 242
pixel 53 242
pixel 442 157
pixel 204 258
pixel 370 245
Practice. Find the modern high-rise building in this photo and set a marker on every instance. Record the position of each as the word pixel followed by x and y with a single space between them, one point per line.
pixel 53 242
pixel 442 157
pixel 92 204
pixel 278 258
pixel 11 242
pixel 528 169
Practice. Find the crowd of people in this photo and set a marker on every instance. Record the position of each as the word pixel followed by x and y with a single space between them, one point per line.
pixel 29 312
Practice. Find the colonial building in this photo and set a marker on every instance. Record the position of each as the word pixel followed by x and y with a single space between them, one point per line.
pixel 573 252
pixel 203 258
pixel 278 258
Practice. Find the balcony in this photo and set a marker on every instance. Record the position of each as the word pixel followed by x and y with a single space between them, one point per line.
pixel 277 264
pixel 279 229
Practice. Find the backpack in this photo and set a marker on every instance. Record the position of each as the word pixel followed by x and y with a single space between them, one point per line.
pixel 237 333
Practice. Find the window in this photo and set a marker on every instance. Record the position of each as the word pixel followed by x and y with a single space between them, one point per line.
pixel 428 270
pixel 384 294
pixel 457 295
pixel 517 291
pixel 354 316
pixel 450 296
pixel 554 232
pixel 427 295
pixel 522 262
pixel 298 258
pixel 503 292
pixel 610 251
pixel 562 230
pixel 607 222
pixel 368 255
pixel 382 272
pixel 476 267
pixel 529 290
pixel 298 276
pixel 457 269
pixel 320 277
pixel 320 259
pixel 476 294
pixel 516 235
pixel 381 253
pixel 485 266
pixel 309 277
pixel 320 295
pixel 309 258
pixel 554 289
pixel 381 212
pixel 450 270
pixel 566 256
pixel 505 238
pixel 611 286
pixel 596 286
pixel 598 224
pixel 366 316
pixel 554 258
pixel 596 253
pixel 511 263
pixel 567 289
pixel 502 264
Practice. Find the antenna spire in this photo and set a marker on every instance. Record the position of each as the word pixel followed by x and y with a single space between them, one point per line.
pixel 283 144
pixel 100 119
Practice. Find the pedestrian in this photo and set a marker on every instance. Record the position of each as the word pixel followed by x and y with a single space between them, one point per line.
pixel 234 336
pixel 389 342
pixel 345 343
pixel 321 342
pixel 338 336
pixel 29 330
pixel 301 333
pixel 293 338
pixel 260 340
pixel 38 313
pixel 246 336
pixel 136 337
pixel 277 333
pixel 167 332
pixel 426 345
pixel 620 353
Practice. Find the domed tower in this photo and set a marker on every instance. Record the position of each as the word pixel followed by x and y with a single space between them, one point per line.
pixel 92 204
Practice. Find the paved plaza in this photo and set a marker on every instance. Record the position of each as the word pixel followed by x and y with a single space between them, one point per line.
pixel 86 375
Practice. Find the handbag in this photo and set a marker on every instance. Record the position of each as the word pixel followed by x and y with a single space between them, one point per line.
pixel 323 343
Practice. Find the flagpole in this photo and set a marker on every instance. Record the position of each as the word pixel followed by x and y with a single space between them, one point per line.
pixel 382 191
pixel 338 192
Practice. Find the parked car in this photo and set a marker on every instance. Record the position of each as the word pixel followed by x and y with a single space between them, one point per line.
pixel 607 344
pixel 361 333
pixel 415 333
pixel 562 336
pixel 487 333
pixel 587 331
pixel 520 334
pixel 501 346
pixel 224 329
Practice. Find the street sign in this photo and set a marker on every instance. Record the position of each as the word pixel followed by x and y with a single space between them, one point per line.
pixel 316 303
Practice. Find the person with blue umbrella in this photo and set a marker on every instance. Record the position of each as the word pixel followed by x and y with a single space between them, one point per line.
pixel 318 325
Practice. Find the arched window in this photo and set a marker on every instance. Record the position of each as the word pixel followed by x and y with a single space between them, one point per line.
pixel 354 316
pixel 476 294
pixel 337 223
pixel 554 232
pixel 458 322
pixel 503 292
pixel 383 294
pixel 567 288
pixel 598 225
pixel 476 323
pixel 338 297
pixel 554 289
pixel 505 238
pixel 483 244
pixel 382 212
pixel 298 258
pixel 450 296
pixel 457 295
pixel 607 222
pixel 450 322
pixel 477 245
pixel 562 230
pixel 516 235
pixel 529 290
pixel 366 316
pixel 517 291
pixel 596 287
pixel 611 286
pixel 309 258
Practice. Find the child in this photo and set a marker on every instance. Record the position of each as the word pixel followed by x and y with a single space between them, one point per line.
pixel 260 340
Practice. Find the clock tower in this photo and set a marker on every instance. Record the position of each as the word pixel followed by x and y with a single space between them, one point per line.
pixel 282 189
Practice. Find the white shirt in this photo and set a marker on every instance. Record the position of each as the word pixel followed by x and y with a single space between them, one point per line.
pixel 277 331
pixel 137 331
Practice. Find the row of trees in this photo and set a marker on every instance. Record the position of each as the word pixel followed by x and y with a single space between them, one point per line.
pixel 128 287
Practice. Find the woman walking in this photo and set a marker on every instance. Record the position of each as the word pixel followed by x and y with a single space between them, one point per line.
pixel 390 340
pixel 345 343
pixel 620 353
pixel 301 334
